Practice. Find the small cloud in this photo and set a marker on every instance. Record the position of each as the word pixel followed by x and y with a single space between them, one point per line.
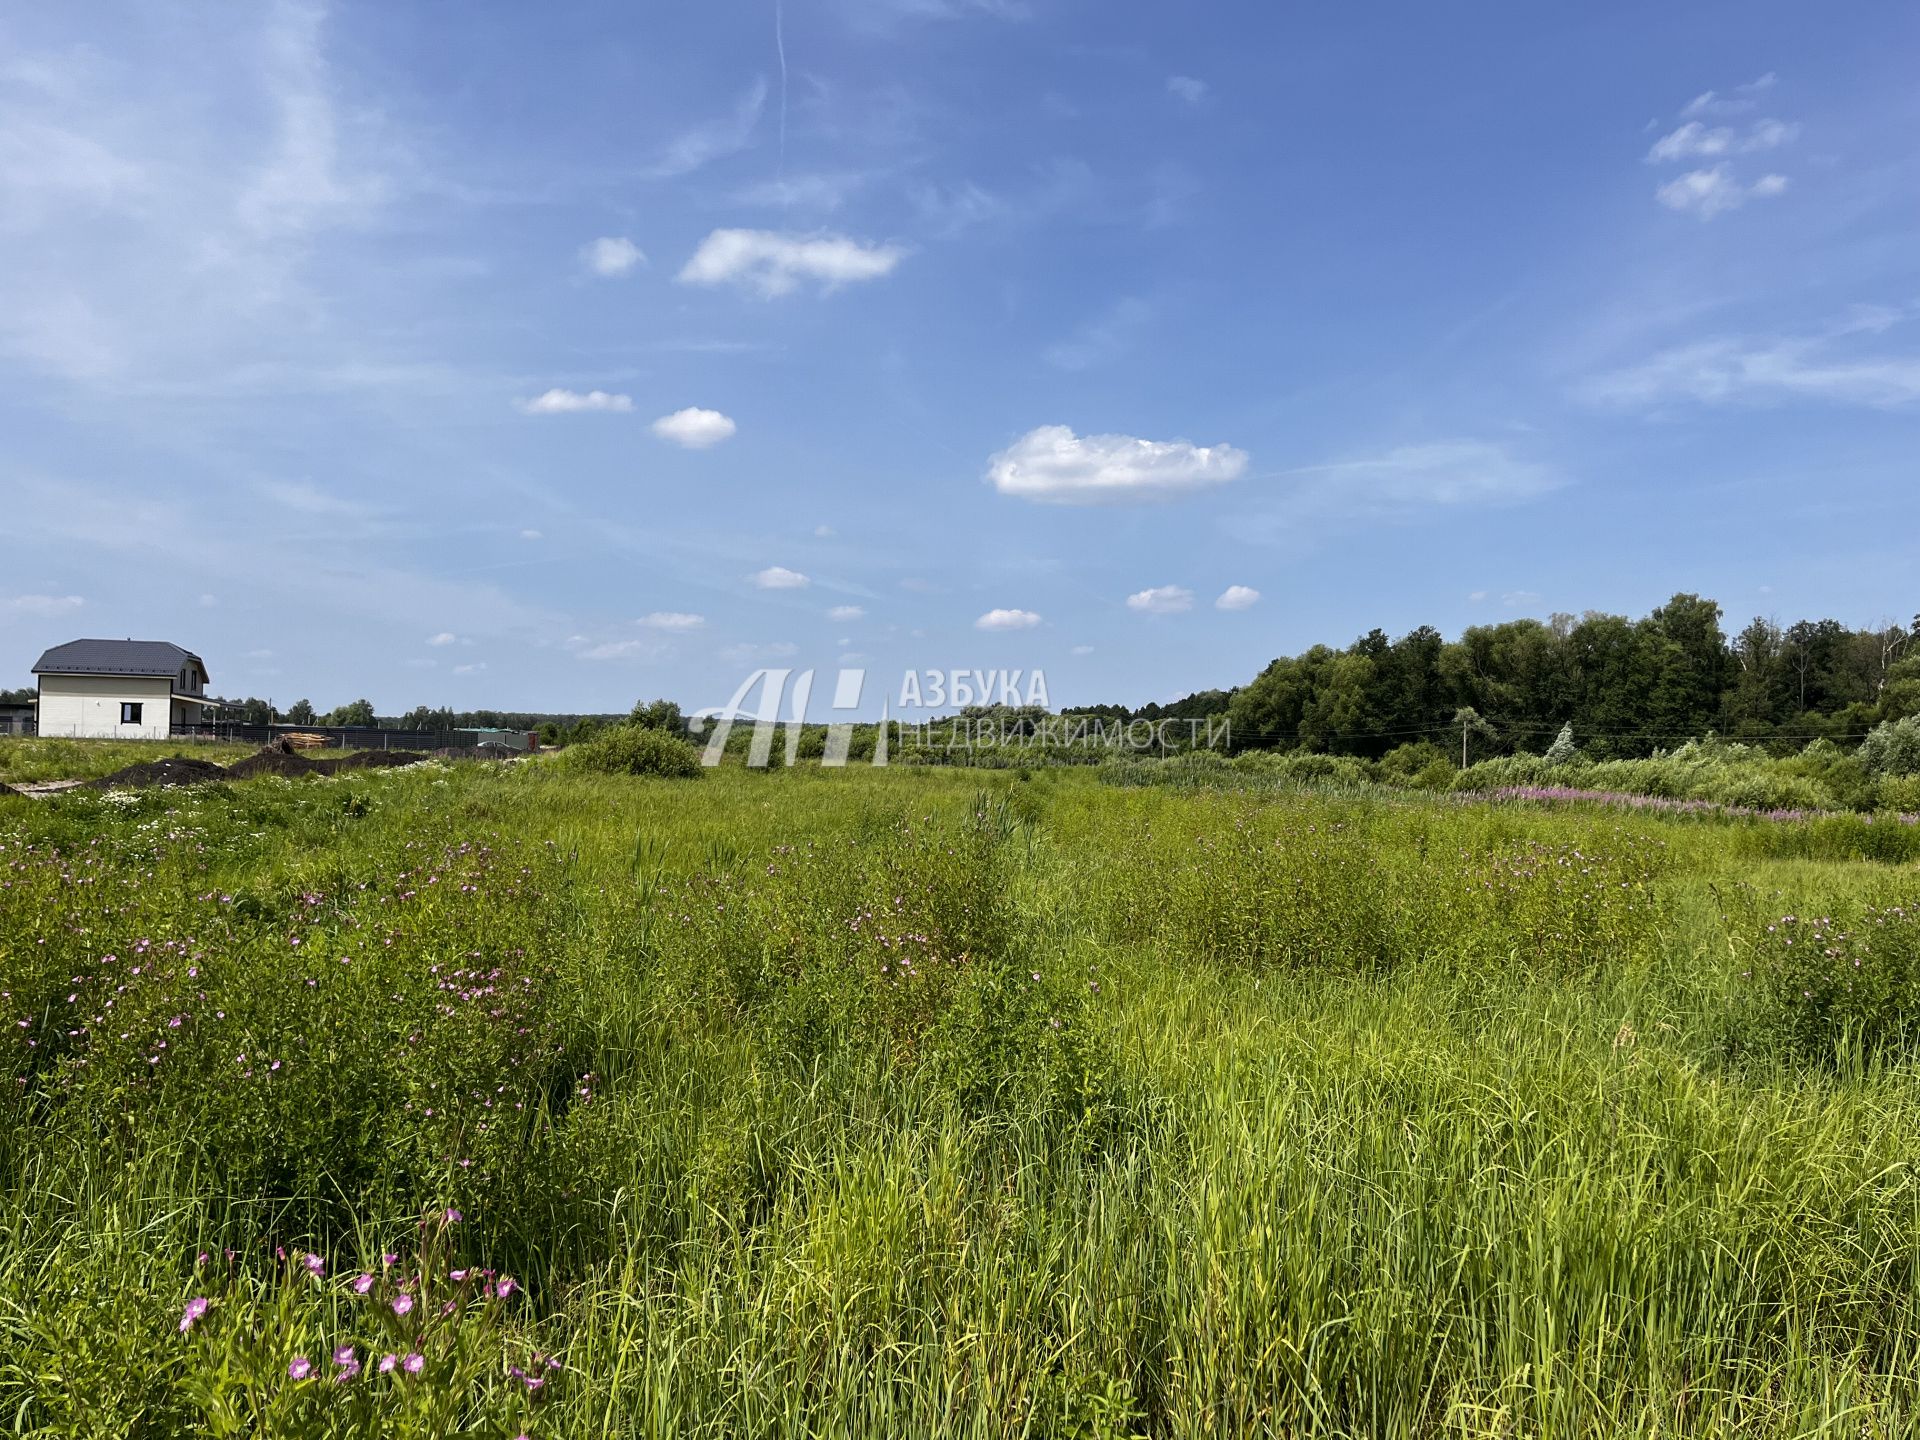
pixel 823 532
pixel 1083 650
pixel 775 263
pixel 445 637
pixel 259 655
pixel 1007 620
pixel 611 256
pixel 529 534
pixel 1476 596
pixel 675 620
pixel 470 669
pixel 1520 599
pixel 846 612
pixel 1052 465
pixel 207 602
pixel 1696 141
pixel 1161 600
pixel 572 402
pixel 1185 87
pixel 693 428
pixel 1237 597
pixel 1708 193
pixel 44 607
pixel 778 577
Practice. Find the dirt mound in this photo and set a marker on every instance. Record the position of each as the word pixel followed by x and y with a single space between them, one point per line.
pixel 376 760
pixel 174 770
pixel 278 757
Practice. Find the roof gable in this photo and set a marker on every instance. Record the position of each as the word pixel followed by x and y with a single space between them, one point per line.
pixel 116 657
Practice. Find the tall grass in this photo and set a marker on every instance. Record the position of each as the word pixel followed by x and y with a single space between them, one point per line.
pixel 920 1102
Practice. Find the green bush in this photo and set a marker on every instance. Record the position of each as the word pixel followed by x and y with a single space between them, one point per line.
pixel 635 750
pixel 1892 748
pixel 1828 987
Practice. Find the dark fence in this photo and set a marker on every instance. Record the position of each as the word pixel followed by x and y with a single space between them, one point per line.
pixel 353 737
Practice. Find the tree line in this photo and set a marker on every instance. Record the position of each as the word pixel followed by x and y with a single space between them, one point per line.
pixel 1627 687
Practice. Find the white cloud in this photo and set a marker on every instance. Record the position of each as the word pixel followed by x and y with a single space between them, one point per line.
pixel 1186 88
pixel 1083 649
pixel 694 428
pixel 611 256
pixel 1161 600
pixel 775 263
pixel 43 607
pixel 1711 102
pixel 677 620
pixel 1237 597
pixel 715 140
pixel 846 612
pixel 445 637
pixel 1052 465
pixel 529 534
pixel 1732 370
pixel 823 532
pixel 778 577
pixel 1696 141
pixel 470 669
pixel 1007 620
pixel 573 402
pixel 1708 193
pixel 1689 140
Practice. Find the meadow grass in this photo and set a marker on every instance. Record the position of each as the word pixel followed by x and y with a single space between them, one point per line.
pixel 31 760
pixel 929 1102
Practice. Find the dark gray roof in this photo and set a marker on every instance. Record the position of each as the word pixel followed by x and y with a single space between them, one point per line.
pixel 116 657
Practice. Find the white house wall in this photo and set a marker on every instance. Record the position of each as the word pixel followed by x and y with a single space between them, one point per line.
pixel 88 706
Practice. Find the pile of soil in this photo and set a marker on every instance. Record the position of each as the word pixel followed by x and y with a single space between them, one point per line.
pixel 174 770
pixel 277 758
pixel 375 760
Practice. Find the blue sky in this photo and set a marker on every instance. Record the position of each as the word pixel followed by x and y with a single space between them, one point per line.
pixel 554 356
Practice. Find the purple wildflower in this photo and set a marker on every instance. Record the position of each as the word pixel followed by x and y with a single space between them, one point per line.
pixel 413 1363
pixel 402 1303
pixel 196 1307
pixel 362 1284
pixel 300 1368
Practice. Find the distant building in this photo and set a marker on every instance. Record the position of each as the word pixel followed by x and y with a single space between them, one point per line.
pixel 120 689
pixel 16 719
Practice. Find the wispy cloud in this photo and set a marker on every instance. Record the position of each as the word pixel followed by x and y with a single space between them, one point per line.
pixel 845 613
pixel 1052 465
pixel 678 621
pixel 701 145
pixel 776 263
pixel 1831 366
pixel 1715 189
pixel 1187 89
pixel 1708 193
pixel 41 607
pixel 611 256
pixel 1103 339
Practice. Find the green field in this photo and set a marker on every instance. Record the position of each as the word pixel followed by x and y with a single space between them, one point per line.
pixel 930 1102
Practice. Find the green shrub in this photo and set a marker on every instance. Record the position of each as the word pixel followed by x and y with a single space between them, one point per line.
pixel 1827 987
pixel 1892 748
pixel 635 750
pixel 1899 792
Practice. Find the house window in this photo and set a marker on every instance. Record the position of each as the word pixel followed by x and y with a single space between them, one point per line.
pixel 129 712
